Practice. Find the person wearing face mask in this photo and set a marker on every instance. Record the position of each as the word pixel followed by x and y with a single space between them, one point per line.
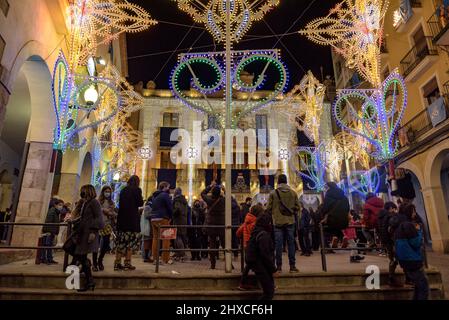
pixel 109 216
pixel 50 232
pixel 85 231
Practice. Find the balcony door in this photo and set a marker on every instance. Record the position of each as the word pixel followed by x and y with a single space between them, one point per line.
pixel 419 39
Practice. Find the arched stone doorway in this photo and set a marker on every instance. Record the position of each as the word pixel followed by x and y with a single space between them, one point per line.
pixel 27 145
pixel 436 195
pixel 420 206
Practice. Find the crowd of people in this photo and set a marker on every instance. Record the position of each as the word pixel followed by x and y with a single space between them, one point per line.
pixel 264 231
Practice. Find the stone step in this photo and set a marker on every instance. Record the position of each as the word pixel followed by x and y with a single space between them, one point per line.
pixel 302 293
pixel 147 281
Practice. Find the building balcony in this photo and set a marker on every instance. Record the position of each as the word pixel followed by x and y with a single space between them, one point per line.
pixel 439 28
pixel 402 18
pixel 419 59
pixel 427 125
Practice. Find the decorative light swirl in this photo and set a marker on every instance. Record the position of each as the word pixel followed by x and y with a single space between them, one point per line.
pixel 215 61
pixel 213 14
pixel 364 182
pixel 354 28
pixel 304 106
pixel 312 167
pixel 377 111
pixel 96 22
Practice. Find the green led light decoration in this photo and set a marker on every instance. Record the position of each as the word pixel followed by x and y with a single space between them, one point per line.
pixel 203 89
pixel 374 114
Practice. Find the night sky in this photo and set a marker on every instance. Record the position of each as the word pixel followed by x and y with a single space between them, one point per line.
pixel 160 41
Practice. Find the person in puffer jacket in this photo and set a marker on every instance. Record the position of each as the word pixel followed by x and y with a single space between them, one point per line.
pixel 408 242
pixel 245 231
pixel 373 205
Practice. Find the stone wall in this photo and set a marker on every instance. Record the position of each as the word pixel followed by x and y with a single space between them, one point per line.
pixel 33 202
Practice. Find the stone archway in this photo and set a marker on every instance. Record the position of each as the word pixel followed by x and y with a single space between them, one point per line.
pixel 437 162
pixel 27 136
pixel 86 170
pixel 419 199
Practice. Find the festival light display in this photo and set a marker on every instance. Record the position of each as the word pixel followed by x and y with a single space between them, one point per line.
pixel 213 14
pixel 78 94
pixel 378 113
pixel 354 28
pixel 97 22
pixel 190 63
pixel 354 147
pixel 312 166
pixel 364 182
pixel 304 106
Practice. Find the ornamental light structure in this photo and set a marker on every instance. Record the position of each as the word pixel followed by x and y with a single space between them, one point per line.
pixel 228 21
pixel 355 30
pixel 77 90
pixel 304 106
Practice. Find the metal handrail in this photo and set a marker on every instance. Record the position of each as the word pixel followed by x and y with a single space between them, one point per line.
pixel 324 249
pixel 34 224
pixel 159 250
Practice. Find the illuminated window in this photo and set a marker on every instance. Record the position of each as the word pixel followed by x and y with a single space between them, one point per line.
pixel 171 120
pixel 431 92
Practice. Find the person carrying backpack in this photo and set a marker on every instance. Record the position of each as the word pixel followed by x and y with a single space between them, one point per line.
pixel 283 205
pixel 408 241
pixel 335 211
pixel 244 232
pixel 260 255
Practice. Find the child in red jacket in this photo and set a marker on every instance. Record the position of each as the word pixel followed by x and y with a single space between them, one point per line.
pixel 350 235
pixel 244 231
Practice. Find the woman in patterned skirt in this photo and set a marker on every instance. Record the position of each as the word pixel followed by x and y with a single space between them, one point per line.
pixel 128 224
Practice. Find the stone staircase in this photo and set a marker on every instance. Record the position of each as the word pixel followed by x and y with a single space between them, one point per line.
pixel 126 285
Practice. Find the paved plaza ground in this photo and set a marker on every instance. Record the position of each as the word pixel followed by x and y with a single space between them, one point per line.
pixel 338 263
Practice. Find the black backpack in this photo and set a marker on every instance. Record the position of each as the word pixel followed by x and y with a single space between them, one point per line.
pixel 252 250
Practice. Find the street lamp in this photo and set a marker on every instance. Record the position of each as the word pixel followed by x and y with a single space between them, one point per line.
pixel 91 96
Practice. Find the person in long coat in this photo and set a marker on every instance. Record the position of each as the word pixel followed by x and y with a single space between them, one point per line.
pixel 128 224
pixel 90 222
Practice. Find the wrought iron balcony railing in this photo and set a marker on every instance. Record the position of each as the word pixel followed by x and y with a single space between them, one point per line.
pixel 420 124
pixel 417 54
pixel 438 24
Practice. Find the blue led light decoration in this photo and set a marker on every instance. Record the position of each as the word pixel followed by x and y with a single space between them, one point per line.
pixel 198 100
pixel 374 114
pixel 312 167
pixel 364 182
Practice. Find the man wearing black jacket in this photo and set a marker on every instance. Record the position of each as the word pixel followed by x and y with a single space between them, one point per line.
pixel 260 255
